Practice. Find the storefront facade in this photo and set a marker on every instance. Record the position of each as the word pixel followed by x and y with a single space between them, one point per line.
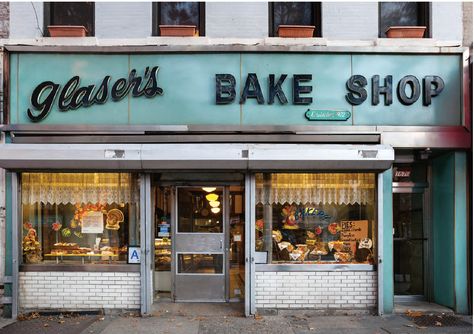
pixel 315 179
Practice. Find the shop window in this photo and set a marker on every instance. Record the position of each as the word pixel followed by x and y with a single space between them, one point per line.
pixel 178 13
pixel 69 14
pixel 403 14
pixel 317 218
pixel 79 217
pixel 294 13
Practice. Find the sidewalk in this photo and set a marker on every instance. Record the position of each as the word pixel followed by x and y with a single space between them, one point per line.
pixel 291 323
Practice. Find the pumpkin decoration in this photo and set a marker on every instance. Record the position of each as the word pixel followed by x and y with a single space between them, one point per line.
pixel 114 218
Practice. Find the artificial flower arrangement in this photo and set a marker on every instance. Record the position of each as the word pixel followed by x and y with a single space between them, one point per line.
pixel 31 247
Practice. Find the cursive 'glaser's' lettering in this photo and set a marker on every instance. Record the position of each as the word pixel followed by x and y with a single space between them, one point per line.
pixel 72 96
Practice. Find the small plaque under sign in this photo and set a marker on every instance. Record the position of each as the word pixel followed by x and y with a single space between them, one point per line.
pixel 115 154
pixel 327 115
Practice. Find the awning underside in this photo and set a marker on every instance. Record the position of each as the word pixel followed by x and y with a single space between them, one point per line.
pixel 195 156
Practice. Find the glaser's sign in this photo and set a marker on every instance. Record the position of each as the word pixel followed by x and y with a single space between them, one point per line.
pixel 72 96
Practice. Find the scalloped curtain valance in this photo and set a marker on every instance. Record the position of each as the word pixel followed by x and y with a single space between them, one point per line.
pixel 65 188
pixel 315 188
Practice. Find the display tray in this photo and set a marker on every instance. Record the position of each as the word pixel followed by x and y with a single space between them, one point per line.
pixel 82 256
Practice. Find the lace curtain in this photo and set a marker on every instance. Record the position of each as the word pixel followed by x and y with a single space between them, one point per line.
pixel 314 189
pixel 64 188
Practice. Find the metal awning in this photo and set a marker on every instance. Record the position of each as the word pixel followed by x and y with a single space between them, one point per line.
pixel 182 156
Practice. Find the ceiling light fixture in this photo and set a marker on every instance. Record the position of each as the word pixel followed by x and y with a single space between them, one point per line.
pixel 214 204
pixel 215 210
pixel 208 189
pixel 212 197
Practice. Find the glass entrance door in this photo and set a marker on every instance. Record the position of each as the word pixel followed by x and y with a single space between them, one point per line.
pixel 200 245
pixel 409 244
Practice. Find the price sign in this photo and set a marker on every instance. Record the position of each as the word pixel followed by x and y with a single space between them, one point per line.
pixel 354 230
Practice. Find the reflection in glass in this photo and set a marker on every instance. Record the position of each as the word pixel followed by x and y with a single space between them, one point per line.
pixel 200 264
pixel 196 214
pixel 408 242
pixel 83 217
pixel 292 13
pixel 179 13
pixel 316 217
pixel 73 13
pixel 398 14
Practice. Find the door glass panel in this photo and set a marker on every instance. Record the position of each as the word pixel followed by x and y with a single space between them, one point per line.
pixel 200 263
pixel 408 243
pixel 200 210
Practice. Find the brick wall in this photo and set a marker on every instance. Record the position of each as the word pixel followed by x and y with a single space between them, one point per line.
pixel 4 19
pixel 79 290
pixel 316 290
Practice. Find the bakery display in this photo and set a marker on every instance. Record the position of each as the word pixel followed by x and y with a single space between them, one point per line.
pixel 162 254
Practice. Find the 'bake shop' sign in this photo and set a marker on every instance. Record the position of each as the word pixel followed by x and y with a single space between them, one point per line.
pixel 72 95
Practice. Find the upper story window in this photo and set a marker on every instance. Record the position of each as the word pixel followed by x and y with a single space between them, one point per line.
pixel 178 13
pixel 403 14
pixel 70 14
pixel 295 13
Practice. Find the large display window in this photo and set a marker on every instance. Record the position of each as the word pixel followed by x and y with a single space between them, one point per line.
pixel 318 218
pixel 79 217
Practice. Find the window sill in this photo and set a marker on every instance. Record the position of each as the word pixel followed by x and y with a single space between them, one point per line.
pixel 313 41
pixel 81 267
pixel 315 267
pixel 419 42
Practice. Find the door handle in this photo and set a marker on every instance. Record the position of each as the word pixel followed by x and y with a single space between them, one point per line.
pixel 222 244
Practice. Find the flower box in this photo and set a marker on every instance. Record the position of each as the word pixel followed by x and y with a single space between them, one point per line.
pixel 178 30
pixel 406 32
pixel 295 31
pixel 67 31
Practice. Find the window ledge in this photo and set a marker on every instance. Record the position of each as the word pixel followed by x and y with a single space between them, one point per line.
pixel 315 267
pixel 415 42
pixel 315 41
pixel 80 267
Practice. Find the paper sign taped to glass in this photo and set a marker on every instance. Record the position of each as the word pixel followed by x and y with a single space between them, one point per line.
pixel 93 222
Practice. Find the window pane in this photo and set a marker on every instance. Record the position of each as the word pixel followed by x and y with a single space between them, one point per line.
pixel 398 14
pixel 87 217
pixel 179 13
pixel 292 13
pixel 73 14
pixel 200 211
pixel 316 218
pixel 200 264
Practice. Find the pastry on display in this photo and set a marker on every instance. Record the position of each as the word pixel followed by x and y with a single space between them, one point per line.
pixel 342 257
pixel 336 245
pixel 286 245
pixel 277 235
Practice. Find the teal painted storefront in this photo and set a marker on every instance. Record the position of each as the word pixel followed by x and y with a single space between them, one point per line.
pixel 189 98
pixel 188 81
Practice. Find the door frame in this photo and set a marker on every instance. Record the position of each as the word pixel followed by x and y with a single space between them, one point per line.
pixel 174 233
pixel 424 189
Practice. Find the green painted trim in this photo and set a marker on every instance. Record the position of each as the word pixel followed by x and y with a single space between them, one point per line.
pixel 443 230
pixel 7 311
pixel 387 266
pixel 460 233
